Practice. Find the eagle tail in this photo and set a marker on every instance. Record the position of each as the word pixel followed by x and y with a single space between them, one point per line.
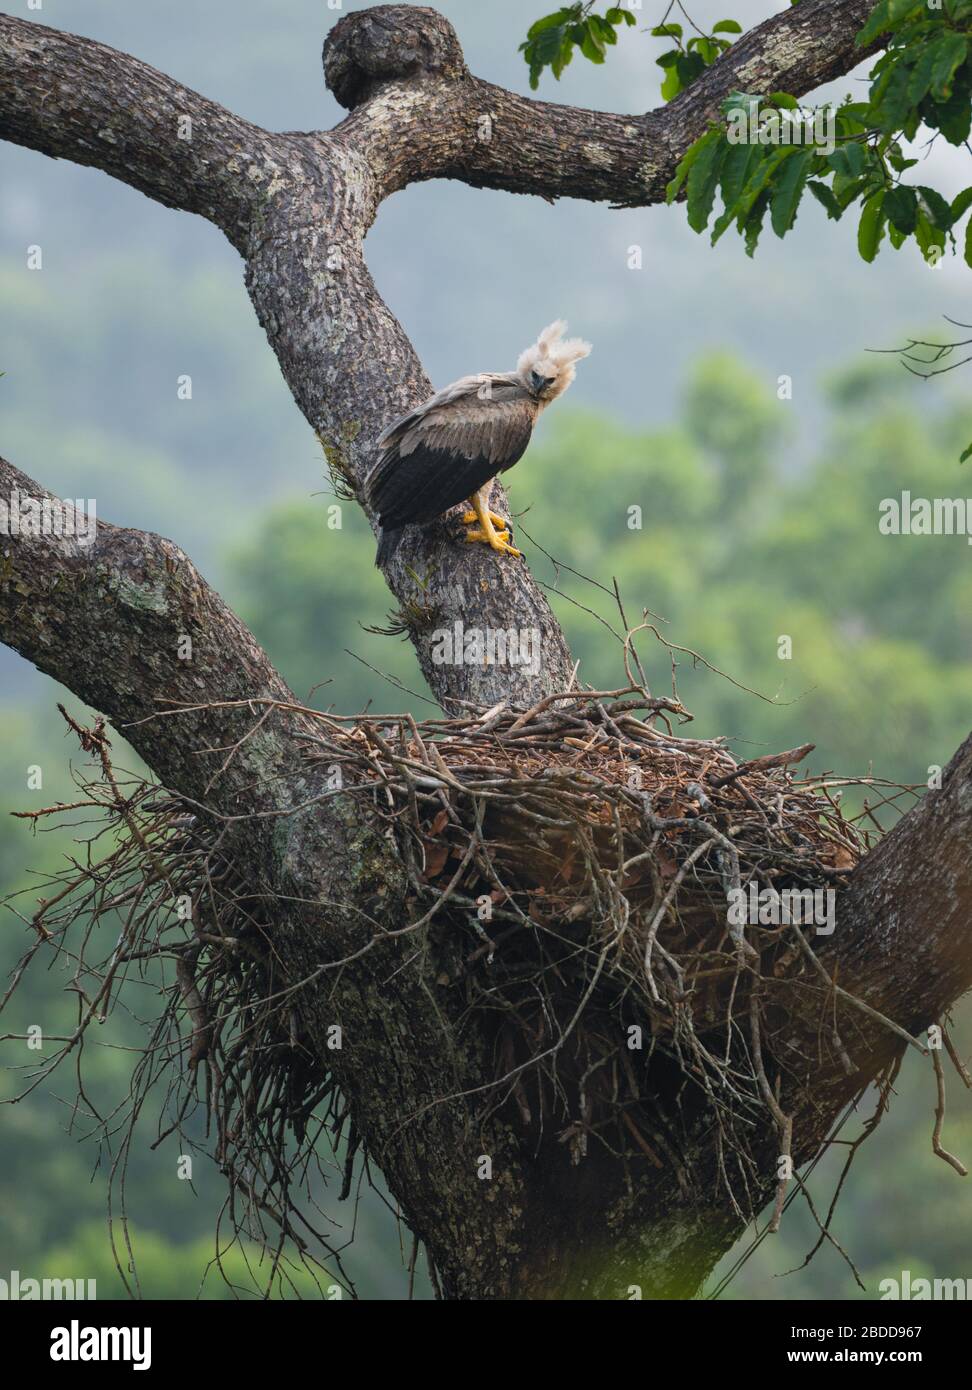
pixel 388 542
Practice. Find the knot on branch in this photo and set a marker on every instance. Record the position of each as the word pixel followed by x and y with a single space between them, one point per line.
pixel 388 42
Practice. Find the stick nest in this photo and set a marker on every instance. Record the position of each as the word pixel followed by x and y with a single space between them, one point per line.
pixel 570 867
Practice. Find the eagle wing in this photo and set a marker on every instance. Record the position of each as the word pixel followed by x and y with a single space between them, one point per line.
pixel 448 447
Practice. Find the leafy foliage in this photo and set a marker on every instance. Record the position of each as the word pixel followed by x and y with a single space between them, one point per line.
pixel 551 41
pixel 923 80
pixel 781 155
pixel 690 57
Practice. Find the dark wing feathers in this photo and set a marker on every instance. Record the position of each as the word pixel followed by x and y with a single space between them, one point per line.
pixel 447 449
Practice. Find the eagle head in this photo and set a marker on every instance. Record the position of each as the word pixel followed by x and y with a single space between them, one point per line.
pixel 547 368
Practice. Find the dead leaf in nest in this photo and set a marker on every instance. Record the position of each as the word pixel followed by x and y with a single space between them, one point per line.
pixel 638 879
pixel 439 824
pixel 436 854
pixel 667 863
pixel 781 966
pixel 843 859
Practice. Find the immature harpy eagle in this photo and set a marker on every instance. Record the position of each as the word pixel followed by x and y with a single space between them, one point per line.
pixel 453 445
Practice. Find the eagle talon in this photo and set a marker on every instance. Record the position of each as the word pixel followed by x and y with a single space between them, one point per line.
pixel 496 537
pixel 496 540
pixel 500 522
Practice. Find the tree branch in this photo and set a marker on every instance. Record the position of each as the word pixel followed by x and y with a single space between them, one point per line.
pixel 418 122
pixel 72 98
pixel 111 621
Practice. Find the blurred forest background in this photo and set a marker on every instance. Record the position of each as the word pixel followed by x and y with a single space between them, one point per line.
pixel 759 518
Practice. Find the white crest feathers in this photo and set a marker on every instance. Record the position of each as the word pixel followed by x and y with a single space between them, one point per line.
pixel 551 346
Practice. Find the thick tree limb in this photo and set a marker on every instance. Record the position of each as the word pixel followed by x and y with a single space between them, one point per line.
pixel 72 98
pixel 417 113
pixel 110 621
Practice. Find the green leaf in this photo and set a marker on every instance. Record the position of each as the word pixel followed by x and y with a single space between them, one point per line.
pixel 901 207
pixel 848 160
pixel 783 100
pixel 667 31
pixel 899 164
pixel 890 101
pixel 727 26
pixel 877 22
pixel 966 454
pixel 853 117
pixel 961 203
pixel 825 196
pixel 686 162
pixel 968 243
pixel 737 169
pixel 604 28
pixel 871 227
pixel 548 44
pixel 753 193
pixel 788 189
pixel 592 45
pixel 690 66
pixel 562 59
pixel 703 179
pixel 921 75
pixel 953 117
pixel 929 238
pixel 937 208
pixel 754 223
pixel 950 51
pixel 552 21
pixel 672 84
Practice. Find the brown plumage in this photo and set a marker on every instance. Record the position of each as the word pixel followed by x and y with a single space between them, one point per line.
pixel 454 444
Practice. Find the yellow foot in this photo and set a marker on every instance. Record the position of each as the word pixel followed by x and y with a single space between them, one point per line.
pixel 500 522
pixel 497 540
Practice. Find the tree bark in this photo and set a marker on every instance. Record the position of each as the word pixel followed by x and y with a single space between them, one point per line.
pixel 107 622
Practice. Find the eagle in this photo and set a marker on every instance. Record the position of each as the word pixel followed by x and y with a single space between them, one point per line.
pixel 451 447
